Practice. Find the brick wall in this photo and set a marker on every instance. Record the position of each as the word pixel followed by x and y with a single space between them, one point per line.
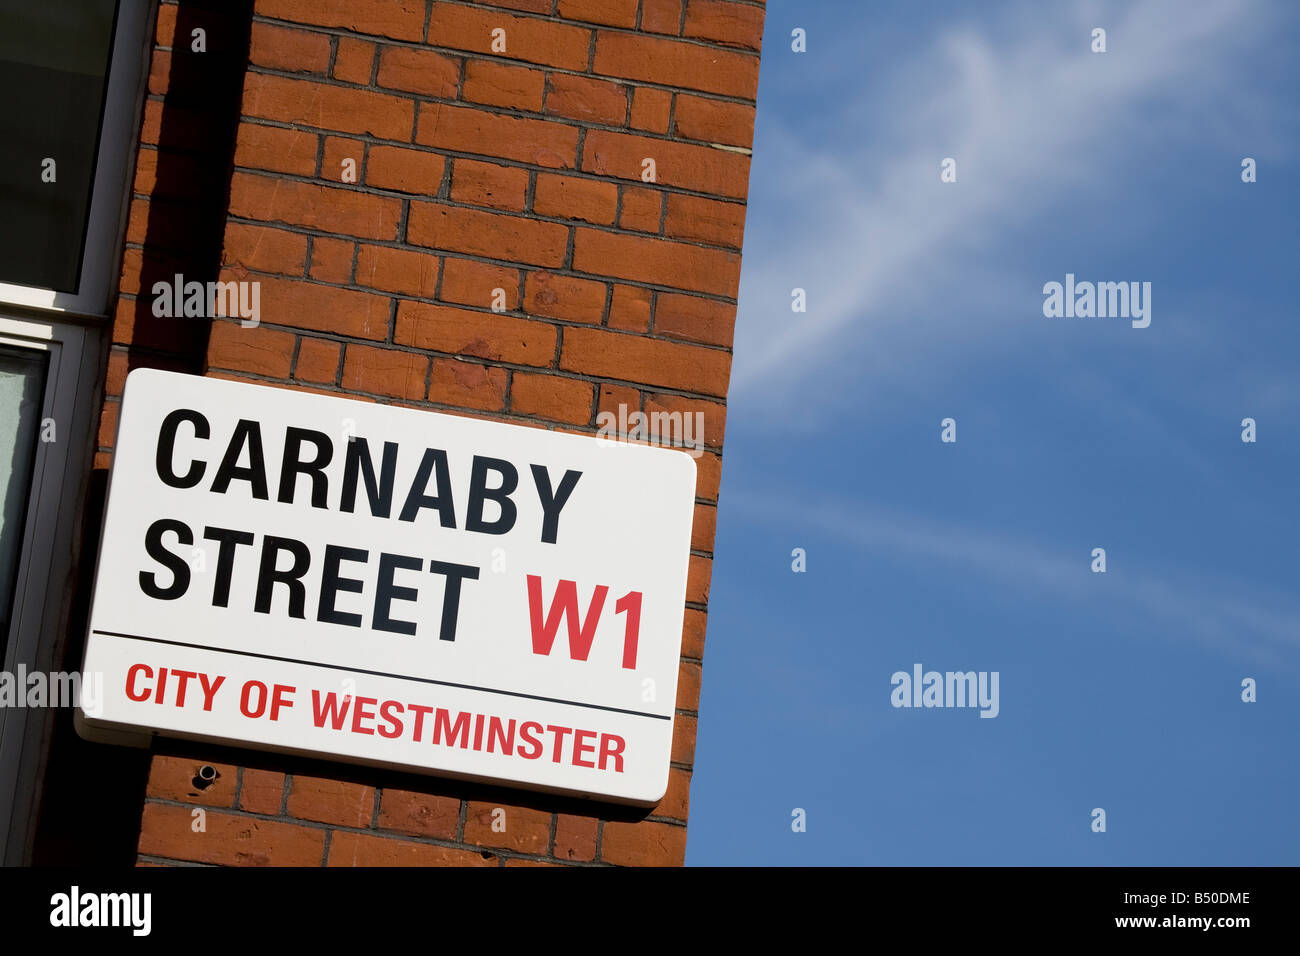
pixel 500 253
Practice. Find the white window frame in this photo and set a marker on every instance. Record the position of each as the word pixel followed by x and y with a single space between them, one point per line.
pixel 110 198
pixel 71 329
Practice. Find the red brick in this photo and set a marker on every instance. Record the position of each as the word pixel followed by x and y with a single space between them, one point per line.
pixel 550 397
pixel 715 417
pixel 697 583
pixel 487 81
pixel 714 121
pixel 174 778
pixel 529 39
pixel 569 197
pixel 277 149
pixel 397 270
pixel 253 349
pixel 614 13
pixel 584 98
pixel 468 130
pixel 488 234
pixel 264 249
pixel 704 527
pixel 651 109
pixel 229 838
pixel 526 830
pixel 323 308
pixel 406 170
pixel 661 16
pixel 468 385
pixel 708 476
pixel 564 297
pixel 487 184
pixel 385 372
pixel 634 358
pixel 337 149
pixel 327 208
pixel 261 791
pixel 677 799
pixel 337 108
pixel 694 621
pixel 695 319
pixel 354 60
pixel 705 220
pixel 667 62
pixel 642 209
pixel 418 71
pixel 399 19
pixel 733 24
pixel 166 27
pixel 688 676
pixel 486 335
pixel 684 739
pixel 701 168
pixel 361 849
pixel 318 361
pixel 331 260
pixel 629 308
pixel 531 6
pixel 643 844
pixel 331 801
pixel 119 364
pixel 575 837
pixel 657 261
pixel 613 396
pixel 298 51
pixel 419 814
pixel 467 282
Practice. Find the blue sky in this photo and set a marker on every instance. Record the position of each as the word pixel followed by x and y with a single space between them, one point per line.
pixel 1119 690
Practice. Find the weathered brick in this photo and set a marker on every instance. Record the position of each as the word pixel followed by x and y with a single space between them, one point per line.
pixel 418 71
pixel 327 208
pixel 643 844
pixel 527 38
pixel 231 839
pixel 340 108
pixel 657 261
pixel 362 849
pixel 419 814
pixel 397 270
pixel 468 130
pixel 487 184
pixel 570 197
pixel 634 358
pixel 496 84
pixel 502 338
pixel 675 63
pixel 331 801
pixel 551 397
pixel 399 19
pixel 564 297
pixel 489 234
pixel 390 372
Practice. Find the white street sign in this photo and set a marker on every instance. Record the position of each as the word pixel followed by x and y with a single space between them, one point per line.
pixel 392 587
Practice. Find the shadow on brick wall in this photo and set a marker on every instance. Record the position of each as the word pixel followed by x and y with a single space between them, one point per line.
pixel 93 794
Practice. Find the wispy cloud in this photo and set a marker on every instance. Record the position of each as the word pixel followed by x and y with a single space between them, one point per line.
pixel 1033 117
pixel 1232 616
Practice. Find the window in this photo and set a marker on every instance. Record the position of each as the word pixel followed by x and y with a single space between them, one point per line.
pixel 57 55
pixel 22 387
pixel 71 77
pixel 72 74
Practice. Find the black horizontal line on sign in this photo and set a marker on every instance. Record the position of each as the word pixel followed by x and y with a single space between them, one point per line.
pixel 357 670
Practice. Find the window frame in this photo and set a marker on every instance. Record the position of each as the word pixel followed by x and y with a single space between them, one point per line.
pixel 71 328
pixel 114 168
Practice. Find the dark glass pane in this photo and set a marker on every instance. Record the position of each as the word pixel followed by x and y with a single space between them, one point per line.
pixel 54 57
pixel 22 390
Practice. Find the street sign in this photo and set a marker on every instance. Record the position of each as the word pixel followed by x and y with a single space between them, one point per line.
pixel 392 587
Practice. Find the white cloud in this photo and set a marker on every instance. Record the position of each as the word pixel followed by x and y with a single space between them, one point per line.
pixel 905 274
